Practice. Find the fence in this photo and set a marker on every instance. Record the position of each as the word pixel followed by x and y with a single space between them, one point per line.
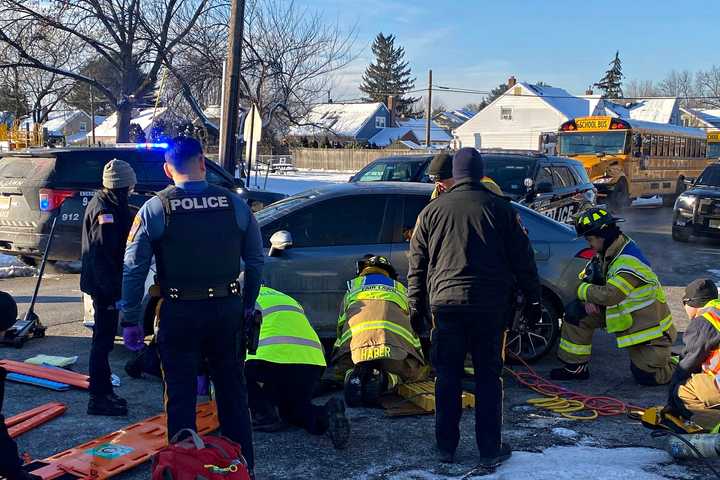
pixel 341 159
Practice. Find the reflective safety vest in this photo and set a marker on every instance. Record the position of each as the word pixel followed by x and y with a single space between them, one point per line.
pixel 711 365
pixel 286 335
pixel 626 315
pixel 374 322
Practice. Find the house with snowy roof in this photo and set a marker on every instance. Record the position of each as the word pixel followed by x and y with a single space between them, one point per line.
pixel 343 122
pixel 105 132
pixel 707 119
pixel 527 117
pixel 452 119
pixel 65 126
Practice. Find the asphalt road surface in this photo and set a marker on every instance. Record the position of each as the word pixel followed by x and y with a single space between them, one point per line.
pixel 380 447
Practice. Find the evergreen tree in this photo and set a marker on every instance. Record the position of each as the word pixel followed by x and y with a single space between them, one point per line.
pixel 494 94
pixel 390 74
pixel 137 135
pixel 611 83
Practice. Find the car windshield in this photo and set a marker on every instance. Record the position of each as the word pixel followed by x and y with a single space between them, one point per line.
pixel 509 172
pixel 391 172
pixel 274 210
pixel 709 177
pixel 713 150
pixel 591 143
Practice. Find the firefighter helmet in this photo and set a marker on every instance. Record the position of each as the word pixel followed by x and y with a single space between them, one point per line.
pixel 593 220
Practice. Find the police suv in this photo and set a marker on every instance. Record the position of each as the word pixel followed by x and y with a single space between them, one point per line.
pixel 557 187
pixel 41 184
pixel 697 210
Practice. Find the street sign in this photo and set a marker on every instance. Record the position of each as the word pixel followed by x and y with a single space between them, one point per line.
pixel 251 135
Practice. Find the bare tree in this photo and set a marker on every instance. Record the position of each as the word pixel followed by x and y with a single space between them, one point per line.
pixel 637 89
pixel 131 35
pixel 679 84
pixel 708 87
pixel 289 54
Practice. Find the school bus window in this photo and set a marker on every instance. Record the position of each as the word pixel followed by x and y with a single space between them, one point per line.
pixel 653 145
pixel 679 147
pixel 692 147
pixel 664 143
pixel 646 145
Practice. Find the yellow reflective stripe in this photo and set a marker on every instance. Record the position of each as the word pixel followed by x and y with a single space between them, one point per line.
pixel 582 291
pixel 378 325
pixel 621 284
pixel 645 335
pixel 574 348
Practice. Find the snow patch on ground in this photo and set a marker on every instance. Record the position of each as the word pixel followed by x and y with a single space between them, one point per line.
pixel 655 201
pixel 295 182
pixel 564 432
pixel 11 266
pixel 570 463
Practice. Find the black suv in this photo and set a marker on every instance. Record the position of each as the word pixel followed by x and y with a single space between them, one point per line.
pixel 554 186
pixel 37 184
pixel 697 210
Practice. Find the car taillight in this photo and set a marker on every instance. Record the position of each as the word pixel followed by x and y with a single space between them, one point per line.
pixel 51 199
pixel 586 254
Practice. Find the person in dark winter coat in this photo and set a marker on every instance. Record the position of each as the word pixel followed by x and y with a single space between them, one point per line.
pixel 468 254
pixel 105 231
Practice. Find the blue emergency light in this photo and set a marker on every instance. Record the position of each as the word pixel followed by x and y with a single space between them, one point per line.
pixel 148 146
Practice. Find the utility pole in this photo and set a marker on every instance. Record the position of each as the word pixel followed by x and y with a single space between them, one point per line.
pixel 428 111
pixel 92 115
pixel 229 122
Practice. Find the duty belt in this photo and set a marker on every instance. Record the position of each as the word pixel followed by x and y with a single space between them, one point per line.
pixel 219 291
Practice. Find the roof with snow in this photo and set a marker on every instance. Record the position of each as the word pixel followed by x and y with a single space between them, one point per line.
pixel 559 99
pixel 710 117
pixel 341 119
pixel 458 116
pixel 418 128
pixel 56 120
pixel 144 118
pixel 388 135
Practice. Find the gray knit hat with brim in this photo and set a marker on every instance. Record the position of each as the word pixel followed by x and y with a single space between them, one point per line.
pixel 118 174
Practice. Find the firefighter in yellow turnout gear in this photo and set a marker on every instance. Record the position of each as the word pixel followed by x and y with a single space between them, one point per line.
pixel 376 346
pixel 620 292
pixel 695 387
pixel 285 371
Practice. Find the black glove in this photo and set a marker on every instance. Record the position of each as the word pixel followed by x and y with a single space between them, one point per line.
pixel 574 312
pixel 674 404
pixel 532 313
pixel 418 319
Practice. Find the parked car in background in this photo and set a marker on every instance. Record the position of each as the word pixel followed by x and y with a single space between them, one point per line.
pixel 557 187
pixel 36 185
pixel 697 210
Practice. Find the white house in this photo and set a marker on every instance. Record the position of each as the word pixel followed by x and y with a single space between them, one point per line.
pixel 106 131
pixel 708 119
pixel 72 125
pixel 520 117
pixel 345 122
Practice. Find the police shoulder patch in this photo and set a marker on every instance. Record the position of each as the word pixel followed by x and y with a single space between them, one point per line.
pixel 105 218
pixel 134 229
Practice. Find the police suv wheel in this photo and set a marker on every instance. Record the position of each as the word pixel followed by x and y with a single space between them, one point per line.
pixel 680 235
pixel 533 344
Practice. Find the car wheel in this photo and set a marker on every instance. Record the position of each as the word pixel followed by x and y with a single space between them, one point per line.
pixel 680 235
pixel 533 344
pixel 29 261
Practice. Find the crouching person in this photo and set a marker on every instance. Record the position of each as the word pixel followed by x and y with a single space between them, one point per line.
pixel 376 347
pixel 285 371
pixel 695 386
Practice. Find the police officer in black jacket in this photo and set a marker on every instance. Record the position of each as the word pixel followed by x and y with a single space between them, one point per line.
pixel 105 231
pixel 201 236
pixel 468 254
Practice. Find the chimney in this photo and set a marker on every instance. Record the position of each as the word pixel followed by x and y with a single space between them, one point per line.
pixel 511 81
pixel 589 91
pixel 391 107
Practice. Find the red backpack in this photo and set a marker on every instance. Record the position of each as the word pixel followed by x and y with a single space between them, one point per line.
pixel 200 458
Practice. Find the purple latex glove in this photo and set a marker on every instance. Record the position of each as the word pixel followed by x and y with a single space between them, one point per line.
pixel 203 386
pixel 133 338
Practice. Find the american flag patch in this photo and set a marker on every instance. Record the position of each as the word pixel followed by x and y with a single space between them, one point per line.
pixel 105 218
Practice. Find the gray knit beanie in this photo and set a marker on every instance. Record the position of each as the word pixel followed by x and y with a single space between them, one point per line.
pixel 118 174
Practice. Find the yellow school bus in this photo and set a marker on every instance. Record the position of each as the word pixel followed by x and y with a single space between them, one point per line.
pixel 630 158
pixel 713 145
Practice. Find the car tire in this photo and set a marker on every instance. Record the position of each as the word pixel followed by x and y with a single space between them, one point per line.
pixel 680 235
pixel 533 345
pixel 29 261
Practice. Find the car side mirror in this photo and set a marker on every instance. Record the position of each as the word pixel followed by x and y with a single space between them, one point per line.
pixel 544 187
pixel 528 182
pixel 279 242
pixel 688 181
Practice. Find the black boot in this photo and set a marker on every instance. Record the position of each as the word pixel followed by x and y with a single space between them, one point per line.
pixel 106 406
pixel 445 456
pixel 578 371
pixel 268 421
pixel 339 426
pixel 498 457
pixel 118 399
pixel 353 387
pixel 374 386
pixel 134 368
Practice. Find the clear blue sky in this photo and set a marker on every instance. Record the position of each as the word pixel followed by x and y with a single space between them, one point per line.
pixel 477 44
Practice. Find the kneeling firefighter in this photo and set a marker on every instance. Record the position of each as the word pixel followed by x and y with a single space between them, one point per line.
pixel 376 347
pixel 619 291
pixel 285 371
pixel 695 386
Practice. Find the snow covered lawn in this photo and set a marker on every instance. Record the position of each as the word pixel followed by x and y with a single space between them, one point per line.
pixel 295 182
pixel 11 266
